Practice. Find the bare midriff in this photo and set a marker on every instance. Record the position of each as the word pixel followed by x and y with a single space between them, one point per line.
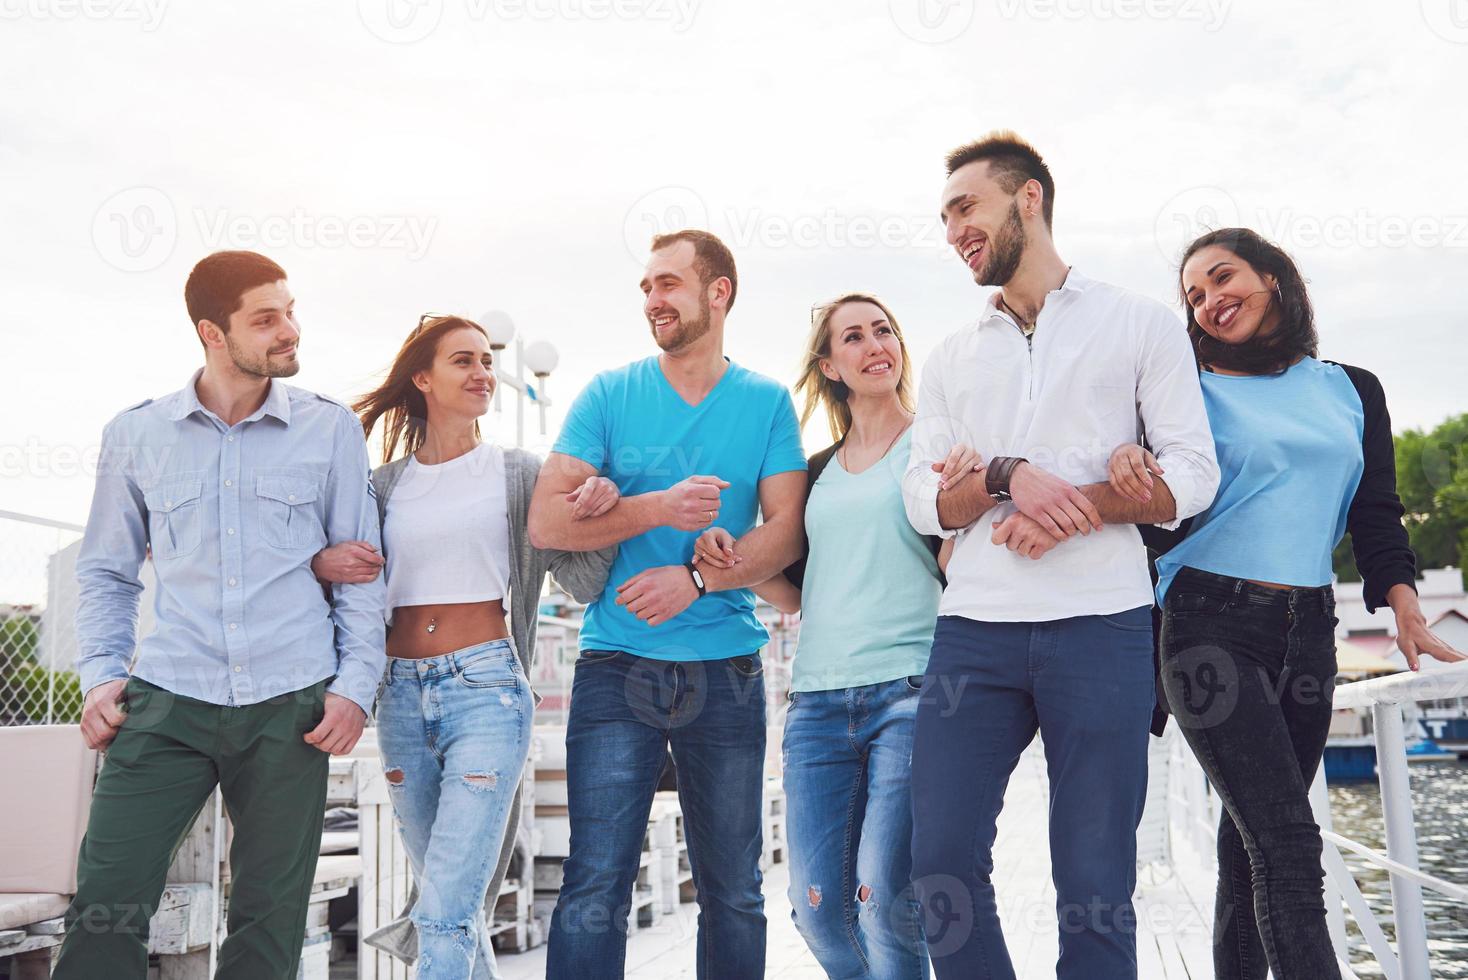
pixel 455 626
pixel 1271 585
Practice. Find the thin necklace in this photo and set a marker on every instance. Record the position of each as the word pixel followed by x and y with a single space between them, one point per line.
pixel 1023 323
pixel 842 450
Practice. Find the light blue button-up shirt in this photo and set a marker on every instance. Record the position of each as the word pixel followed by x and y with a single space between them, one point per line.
pixel 233 516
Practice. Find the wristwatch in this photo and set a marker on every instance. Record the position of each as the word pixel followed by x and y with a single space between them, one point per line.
pixel 697 579
pixel 997 476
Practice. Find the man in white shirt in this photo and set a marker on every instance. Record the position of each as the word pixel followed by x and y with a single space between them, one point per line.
pixel 1046 622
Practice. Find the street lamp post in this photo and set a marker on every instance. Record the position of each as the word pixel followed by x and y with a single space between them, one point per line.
pixel 539 357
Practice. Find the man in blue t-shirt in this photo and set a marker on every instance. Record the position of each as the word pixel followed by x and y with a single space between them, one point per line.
pixel 670 652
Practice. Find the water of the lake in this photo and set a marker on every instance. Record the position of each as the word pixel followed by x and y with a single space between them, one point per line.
pixel 1440 798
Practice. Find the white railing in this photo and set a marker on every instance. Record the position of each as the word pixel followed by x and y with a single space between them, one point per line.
pixel 1385 697
pixel 1193 812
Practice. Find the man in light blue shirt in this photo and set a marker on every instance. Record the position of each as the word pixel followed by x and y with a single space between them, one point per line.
pixel 252 676
pixel 669 653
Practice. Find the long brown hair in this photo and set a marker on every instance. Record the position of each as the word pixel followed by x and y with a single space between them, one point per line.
pixel 820 391
pixel 397 401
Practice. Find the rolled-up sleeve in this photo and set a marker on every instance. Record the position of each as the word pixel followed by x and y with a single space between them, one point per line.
pixel 932 438
pixel 114 547
pixel 357 610
pixel 1174 418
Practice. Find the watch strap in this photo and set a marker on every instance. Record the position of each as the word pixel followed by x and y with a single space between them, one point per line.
pixel 697 579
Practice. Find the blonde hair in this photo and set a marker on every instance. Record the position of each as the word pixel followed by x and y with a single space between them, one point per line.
pixel 819 390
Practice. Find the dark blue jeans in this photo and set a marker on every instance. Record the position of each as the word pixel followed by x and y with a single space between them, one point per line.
pixel 1249 673
pixel 848 757
pixel 625 712
pixel 1087 685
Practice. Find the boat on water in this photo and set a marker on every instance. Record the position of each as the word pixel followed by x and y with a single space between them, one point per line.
pixel 1350 752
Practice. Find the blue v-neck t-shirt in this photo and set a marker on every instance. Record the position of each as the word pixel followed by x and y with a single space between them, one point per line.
pixel 634 427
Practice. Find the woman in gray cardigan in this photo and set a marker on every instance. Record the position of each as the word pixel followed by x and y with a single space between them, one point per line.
pixel 464 584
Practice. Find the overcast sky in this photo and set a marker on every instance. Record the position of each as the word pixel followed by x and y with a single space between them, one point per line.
pixel 465 155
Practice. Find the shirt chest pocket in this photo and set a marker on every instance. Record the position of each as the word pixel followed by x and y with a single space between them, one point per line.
pixel 288 512
pixel 175 525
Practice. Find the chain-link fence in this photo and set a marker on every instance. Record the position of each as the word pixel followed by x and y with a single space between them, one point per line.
pixel 38 684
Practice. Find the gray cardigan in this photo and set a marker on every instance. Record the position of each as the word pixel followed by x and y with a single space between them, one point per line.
pixel 582 574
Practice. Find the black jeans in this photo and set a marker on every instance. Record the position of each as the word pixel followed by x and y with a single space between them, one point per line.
pixel 1249 673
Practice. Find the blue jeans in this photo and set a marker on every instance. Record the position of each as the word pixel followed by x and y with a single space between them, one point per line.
pixel 625 712
pixel 454 732
pixel 848 796
pixel 1087 685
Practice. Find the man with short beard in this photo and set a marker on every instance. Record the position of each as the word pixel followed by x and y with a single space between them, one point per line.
pixel 669 653
pixel 1046 621
pixel 252 678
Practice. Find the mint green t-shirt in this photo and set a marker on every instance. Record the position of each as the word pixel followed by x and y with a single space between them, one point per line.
pixel 870 599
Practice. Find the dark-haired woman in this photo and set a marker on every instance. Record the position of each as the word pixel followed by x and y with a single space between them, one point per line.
pixel 463 586
pixel 868 592
pixel 1248 614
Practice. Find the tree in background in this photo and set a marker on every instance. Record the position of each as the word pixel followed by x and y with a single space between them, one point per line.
pixel 1432 480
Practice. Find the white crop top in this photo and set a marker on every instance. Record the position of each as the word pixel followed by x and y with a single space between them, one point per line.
pixel 447 532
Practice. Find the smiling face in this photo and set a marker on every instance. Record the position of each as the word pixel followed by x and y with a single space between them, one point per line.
pixel 866 353
pixel 1229 300
pixel 984 222
pixel 676 302
pixel 461 380
pixel 262 335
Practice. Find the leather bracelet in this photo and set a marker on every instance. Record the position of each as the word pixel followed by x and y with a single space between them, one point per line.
pixel 998 473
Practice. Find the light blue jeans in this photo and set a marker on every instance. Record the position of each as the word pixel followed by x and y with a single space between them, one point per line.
pixel 848 758
pixel 454 732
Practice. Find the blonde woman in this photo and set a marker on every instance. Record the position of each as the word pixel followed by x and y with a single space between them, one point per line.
pixel 868 591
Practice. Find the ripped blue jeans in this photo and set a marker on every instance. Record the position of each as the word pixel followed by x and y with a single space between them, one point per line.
pixel 454 732
pixel 848 774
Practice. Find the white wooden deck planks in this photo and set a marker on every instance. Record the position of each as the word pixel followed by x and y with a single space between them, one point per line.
pixel 1174 909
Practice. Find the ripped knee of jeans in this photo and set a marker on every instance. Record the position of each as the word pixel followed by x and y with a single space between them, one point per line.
pixel 813 897
pixel 481 782
pixel 394 776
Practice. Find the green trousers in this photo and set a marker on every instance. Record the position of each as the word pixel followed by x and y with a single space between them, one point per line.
pixel 160 771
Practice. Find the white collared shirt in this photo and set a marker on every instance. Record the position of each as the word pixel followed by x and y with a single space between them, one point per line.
pixel 1103 367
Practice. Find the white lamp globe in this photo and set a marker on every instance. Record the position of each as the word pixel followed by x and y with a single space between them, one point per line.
pixel 541 358
pixel 500 327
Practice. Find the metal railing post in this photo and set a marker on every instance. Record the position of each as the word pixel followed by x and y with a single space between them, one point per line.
pixel 1335 913
pixel 1401 840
